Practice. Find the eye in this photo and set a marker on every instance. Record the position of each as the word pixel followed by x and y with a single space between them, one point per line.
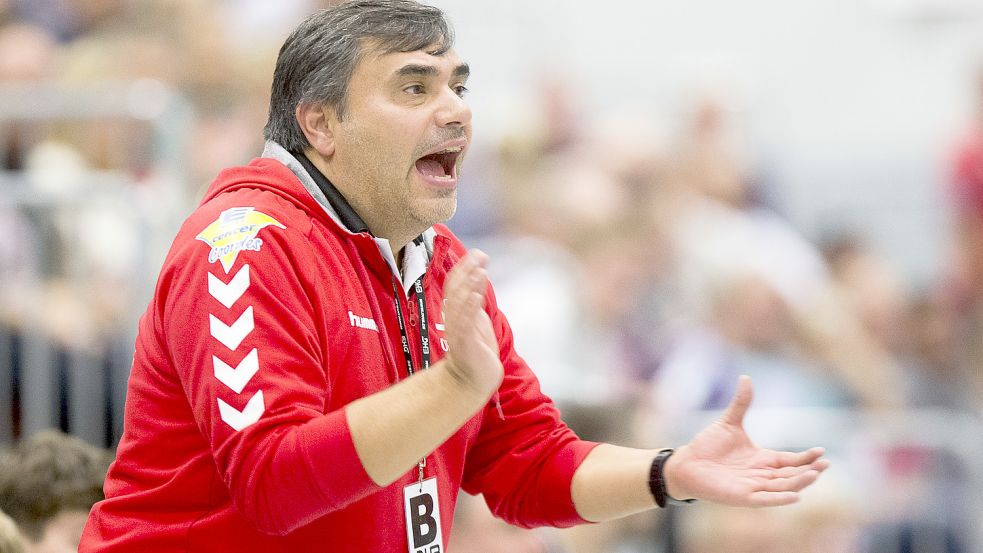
pixel 414 89
pixel 461 90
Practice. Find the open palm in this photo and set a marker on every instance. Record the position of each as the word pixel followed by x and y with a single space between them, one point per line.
pixel 722 465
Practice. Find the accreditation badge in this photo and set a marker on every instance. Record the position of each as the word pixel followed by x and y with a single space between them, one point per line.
pixel 422 508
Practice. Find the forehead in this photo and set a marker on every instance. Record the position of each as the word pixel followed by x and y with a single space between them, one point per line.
pixel 385 65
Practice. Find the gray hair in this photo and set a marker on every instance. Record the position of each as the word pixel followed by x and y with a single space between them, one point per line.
pixel 318 59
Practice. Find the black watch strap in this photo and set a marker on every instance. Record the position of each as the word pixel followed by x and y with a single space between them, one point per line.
pixel 657 481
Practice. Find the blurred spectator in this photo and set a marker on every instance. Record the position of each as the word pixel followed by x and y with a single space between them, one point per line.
pixel 566 232
pixel 48 484
pixel 964 287
pixel 748 332
pixel 27 53
pixel 968 172
pixel 577 227
pixel 913 330
pixel 940 381
pixel 871 288
pixel 66 19
pixel 722 240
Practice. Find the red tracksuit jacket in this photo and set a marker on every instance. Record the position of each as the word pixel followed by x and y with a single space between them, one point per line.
pixel 259 334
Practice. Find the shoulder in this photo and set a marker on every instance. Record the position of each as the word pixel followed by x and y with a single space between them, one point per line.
pixel 241 221
pixel 264 186
pixel 247 216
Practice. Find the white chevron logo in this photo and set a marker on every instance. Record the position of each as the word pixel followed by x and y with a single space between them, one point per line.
pixel 232 336
pixel 237 378
pixel 240 419
pixel 227 294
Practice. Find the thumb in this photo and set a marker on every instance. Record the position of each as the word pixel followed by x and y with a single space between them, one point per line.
pixel 734 415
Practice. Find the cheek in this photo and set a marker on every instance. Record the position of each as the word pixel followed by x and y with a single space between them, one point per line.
pixel 389 146
pixel 400 128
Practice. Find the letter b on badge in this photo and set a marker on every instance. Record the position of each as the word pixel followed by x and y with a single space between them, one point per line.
pixel 422 508
pixel 422 523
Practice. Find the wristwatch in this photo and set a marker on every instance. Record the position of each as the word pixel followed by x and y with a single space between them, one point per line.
pixel 657 481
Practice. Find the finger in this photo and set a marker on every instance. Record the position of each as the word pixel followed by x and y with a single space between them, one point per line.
pixel 474 278
pixel 457 275
pixel 474 299
pixel 793 459
pixel 458 285
pixel 785 472
pixel 793 484
pixel 480 258
pixel 478 280
pixel 469 301
pixel 818 465
pixel 475 305
pixel 773 499
pixel 734 414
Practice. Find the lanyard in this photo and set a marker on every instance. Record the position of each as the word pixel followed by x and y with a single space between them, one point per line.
pixel 421 305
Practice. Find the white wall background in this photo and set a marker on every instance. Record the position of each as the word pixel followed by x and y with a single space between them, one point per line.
pixel 851 107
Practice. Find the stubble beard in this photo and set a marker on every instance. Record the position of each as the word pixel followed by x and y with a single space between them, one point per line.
pixel 430 211
pixel 405 205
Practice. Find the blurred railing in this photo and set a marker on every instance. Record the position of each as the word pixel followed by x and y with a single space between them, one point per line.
pixel 49 380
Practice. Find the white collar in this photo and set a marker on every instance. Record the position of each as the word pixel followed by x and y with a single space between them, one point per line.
pixel 416 258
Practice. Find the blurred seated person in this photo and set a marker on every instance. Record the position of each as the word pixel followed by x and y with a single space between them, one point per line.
pixel 48 484
pixel 962 286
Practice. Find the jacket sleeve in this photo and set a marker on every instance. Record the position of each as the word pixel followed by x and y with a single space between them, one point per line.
pixel 247 346
pixel 524 458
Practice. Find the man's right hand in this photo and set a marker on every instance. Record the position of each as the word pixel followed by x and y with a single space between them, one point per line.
pixel 473 354
pixel 385 426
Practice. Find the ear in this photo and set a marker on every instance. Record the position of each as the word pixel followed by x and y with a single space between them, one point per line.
pixel 315 122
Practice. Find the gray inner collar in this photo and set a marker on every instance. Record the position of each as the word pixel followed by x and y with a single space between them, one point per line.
pixel 416 256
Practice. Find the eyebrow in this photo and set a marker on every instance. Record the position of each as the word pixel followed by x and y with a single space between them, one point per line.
pixel 420 70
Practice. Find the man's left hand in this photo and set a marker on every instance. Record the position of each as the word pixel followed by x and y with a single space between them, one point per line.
pixel 722 465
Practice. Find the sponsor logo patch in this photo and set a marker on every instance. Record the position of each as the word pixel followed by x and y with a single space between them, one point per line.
pixel 235 231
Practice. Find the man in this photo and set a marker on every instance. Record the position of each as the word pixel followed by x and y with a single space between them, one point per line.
pixel 324 367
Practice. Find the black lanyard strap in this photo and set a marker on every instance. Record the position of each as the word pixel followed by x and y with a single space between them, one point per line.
pixel 421 305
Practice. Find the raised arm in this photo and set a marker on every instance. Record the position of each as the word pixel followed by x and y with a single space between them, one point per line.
pixel 252 367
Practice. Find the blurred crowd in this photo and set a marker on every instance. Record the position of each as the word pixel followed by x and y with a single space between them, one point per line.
pixel 660 273
pixel 642 270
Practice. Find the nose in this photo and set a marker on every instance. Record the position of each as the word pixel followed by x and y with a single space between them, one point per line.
pixel 453 110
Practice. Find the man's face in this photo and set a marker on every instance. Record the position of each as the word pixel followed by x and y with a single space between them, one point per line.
pixel 403 136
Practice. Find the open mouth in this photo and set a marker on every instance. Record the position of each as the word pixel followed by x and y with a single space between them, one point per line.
pixel 440 165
